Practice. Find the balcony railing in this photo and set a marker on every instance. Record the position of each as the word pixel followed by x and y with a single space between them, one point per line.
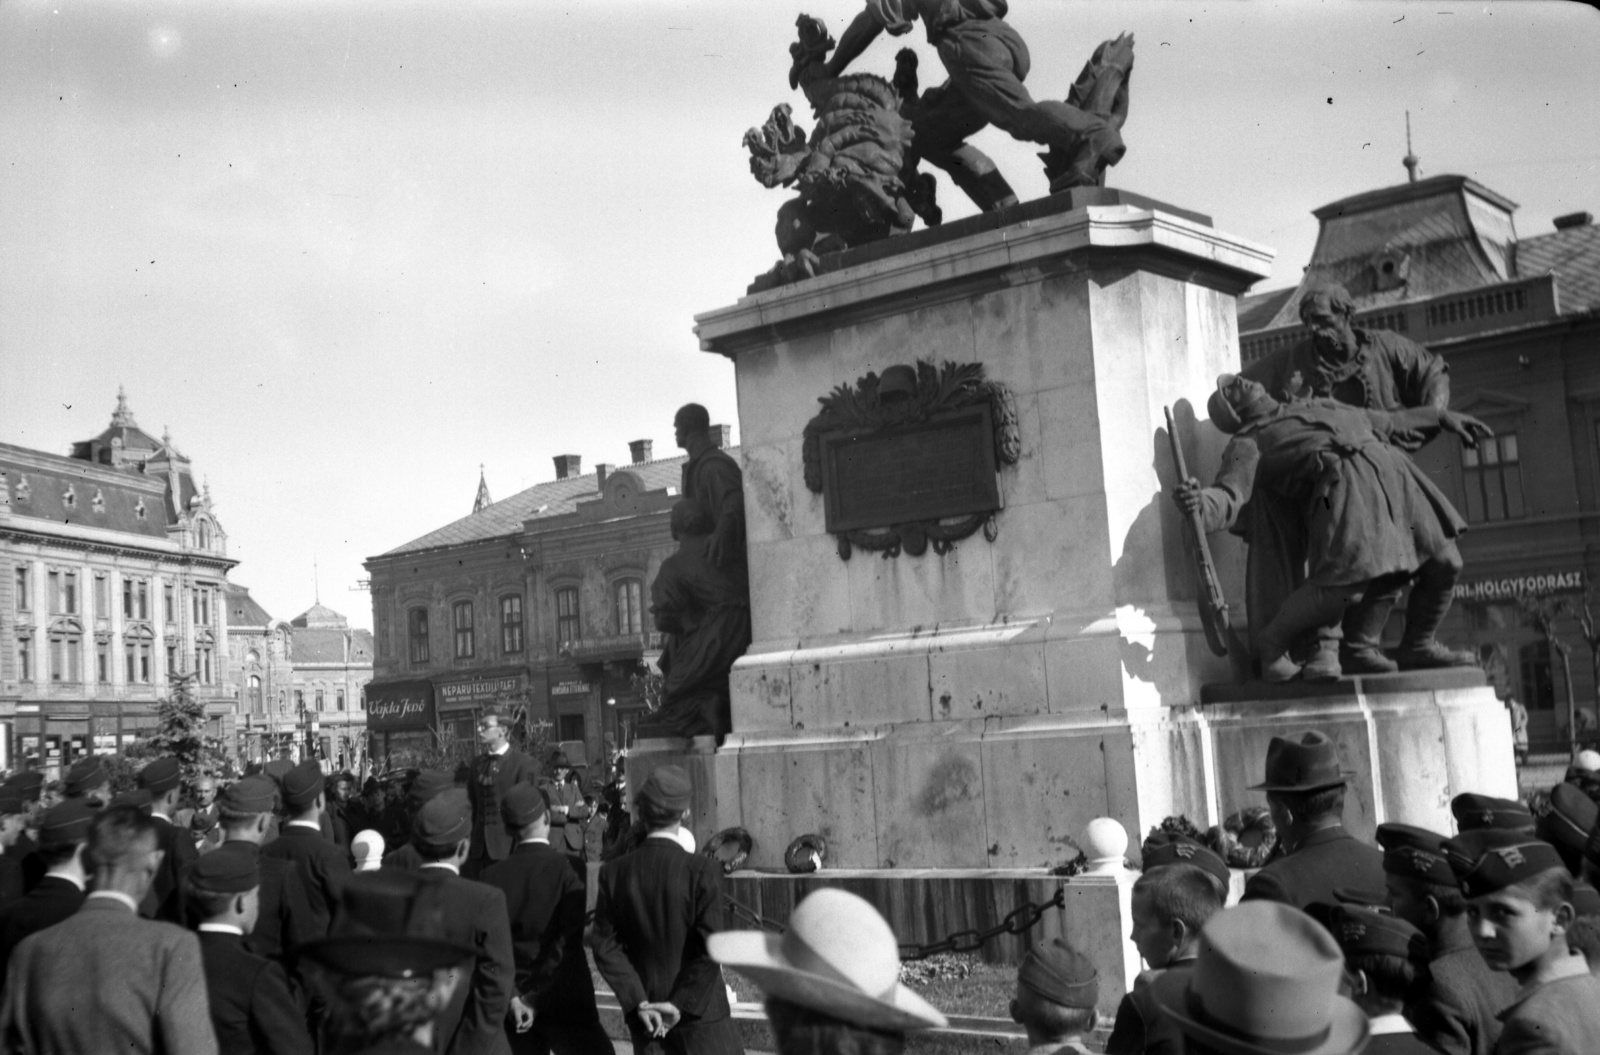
pixel 614 646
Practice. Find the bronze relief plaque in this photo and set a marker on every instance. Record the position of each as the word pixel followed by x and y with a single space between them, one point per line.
pixel 941 467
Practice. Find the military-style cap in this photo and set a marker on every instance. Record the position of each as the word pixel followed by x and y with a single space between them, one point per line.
pixel 428 783
pixel 1363 932
pixel 1061 974
pixel 160 776
pixel 1477 812
pixel 138 798
pixel 1415 853
pixel 667 787
pixel 1488 861
pixel 227 873
pixel 29 784
pixel 523 805
pixel 85 775
pixel 302 784
pixel 1565 819
pixel 65 823
pixel 1173 848
pixel 444 820
pixel 250 795
pixel 1357 897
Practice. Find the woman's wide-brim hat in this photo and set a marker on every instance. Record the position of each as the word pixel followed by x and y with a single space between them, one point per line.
pixel 1266 982
pixel 837 958
pixel 1308 764
pixel 388 923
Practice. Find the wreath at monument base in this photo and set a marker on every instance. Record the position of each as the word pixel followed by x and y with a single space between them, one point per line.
pixel 806 854
pixel 1246 839
pixel 718 842
pixel 915 538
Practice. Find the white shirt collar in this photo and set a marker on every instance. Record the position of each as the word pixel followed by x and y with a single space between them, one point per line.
pixel 221 928
pixel 163 816
pixel 68 876
pixel 445 865
pixel 304 824
pixel 536 839
pixel 1394 1022
pixel 502 749
pixel 671 837
pixel 116 895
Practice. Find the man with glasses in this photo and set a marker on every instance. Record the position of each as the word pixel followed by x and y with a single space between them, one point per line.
pixel 497 770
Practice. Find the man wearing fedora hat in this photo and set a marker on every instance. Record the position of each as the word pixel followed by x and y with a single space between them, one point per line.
pixel 568 811
pixel 1266 982
pixel 657 906
pixel 832 980
pixel 1305 792
pixel 63 830
pixel 393 965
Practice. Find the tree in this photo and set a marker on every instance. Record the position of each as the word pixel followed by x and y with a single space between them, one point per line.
pixel 181 730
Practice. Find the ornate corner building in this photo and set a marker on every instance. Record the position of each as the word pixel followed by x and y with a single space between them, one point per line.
pixel 114 572
pixel 1517 319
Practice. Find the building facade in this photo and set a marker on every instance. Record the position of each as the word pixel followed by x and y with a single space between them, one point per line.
pixel 115 572
pixel 1517 319
pixel 301 684
pixel 537 602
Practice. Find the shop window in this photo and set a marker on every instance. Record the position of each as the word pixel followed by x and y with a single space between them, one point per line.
pixel 24 594
pixel 511 623
pixel 1491 477
pixel 571 726
pixel 463 629
pixel 417 629
pixel 1538 680
pixel 566 615
pixel 626 595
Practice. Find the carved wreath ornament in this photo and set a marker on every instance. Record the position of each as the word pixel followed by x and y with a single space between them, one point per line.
pixel 904 398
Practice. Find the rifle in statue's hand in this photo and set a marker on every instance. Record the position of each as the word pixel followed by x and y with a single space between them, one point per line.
pixel 1213 605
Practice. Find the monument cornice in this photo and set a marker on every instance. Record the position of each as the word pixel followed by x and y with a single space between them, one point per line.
pixel 1114 237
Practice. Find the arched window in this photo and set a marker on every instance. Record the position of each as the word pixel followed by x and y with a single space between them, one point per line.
pixel 255 694
pixel 203 534
pixel 66 650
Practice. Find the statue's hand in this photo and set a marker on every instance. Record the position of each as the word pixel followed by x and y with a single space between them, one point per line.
pixel 1187 496
pixel 1469 428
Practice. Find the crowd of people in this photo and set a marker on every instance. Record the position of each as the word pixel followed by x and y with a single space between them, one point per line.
pixel 254 917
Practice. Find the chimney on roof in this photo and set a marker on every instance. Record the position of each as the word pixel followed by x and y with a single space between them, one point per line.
pixel 568 465
pixel 1573 219
pixel 639 451
pixel 601 471
pixel 721 435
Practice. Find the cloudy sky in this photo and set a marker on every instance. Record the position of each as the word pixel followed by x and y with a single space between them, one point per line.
pixel 348 250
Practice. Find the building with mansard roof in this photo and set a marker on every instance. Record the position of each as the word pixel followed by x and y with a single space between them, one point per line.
pixel 537 603
pixel 114 570
pixel 1516 315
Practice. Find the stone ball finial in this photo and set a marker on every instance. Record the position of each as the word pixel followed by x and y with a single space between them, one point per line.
pixel 1105 844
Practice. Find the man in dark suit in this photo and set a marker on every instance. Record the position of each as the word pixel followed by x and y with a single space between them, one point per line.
pixel 500 768
pixel 251 1006
pixel 322 866
pixel 29 786
pixel 104 979
pixel 568 811
pixel 475 915
pixel 165 900
pixel 13 817
pixel 424 786
pixel 545 900
pixel 1305 792
pixel 657 906
pixel 285 918
pixel 62 832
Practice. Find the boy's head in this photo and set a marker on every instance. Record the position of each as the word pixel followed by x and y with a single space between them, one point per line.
pixel 1057 989
pixel 1170 905
pixel 1386 958
pixel 1519 898
pixel 663 797
pixel 1418 879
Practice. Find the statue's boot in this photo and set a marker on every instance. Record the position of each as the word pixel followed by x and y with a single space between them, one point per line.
pixel 973 171
pixel 1362 651
pixel 1430 603
pixel 1324 664
pixel 1307 608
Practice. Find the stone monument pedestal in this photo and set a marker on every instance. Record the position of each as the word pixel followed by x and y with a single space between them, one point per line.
pixel 974 710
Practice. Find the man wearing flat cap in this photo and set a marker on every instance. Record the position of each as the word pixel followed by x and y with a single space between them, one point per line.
pixel 105 980
pixel 1305 792
pixel 285 918
pixel 657 906
pixel 545 900
pixel 63 830
pixel 160 778
pixel 496 771
pixel 322 865
pixel 1459 1010
pixel 474 916
pixel 252 1009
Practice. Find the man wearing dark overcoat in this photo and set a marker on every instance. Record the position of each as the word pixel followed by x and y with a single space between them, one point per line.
pixel 497 770
pixel 657 906
pixel 322 866
pixel 63 830
pixel 285 918
pixel 1305 792
pixel 165 900
pixel 424 786
pixel 545 900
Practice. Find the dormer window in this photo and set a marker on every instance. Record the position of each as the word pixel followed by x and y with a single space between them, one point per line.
pixel 99 501
pixel 24 492
pixel 69 498
pixel 139 510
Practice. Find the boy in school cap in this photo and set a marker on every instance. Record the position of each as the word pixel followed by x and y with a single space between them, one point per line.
pixel 1564 821
pixel 1386 962
pixel 1459 1011
pixel 1475 812
pixel 1519 902
pixel 88 779
pixel 1057 989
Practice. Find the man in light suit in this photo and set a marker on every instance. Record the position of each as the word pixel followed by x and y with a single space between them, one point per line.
pixel 105 979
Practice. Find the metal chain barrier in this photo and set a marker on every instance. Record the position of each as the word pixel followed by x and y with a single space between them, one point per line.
pixel 1019 921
